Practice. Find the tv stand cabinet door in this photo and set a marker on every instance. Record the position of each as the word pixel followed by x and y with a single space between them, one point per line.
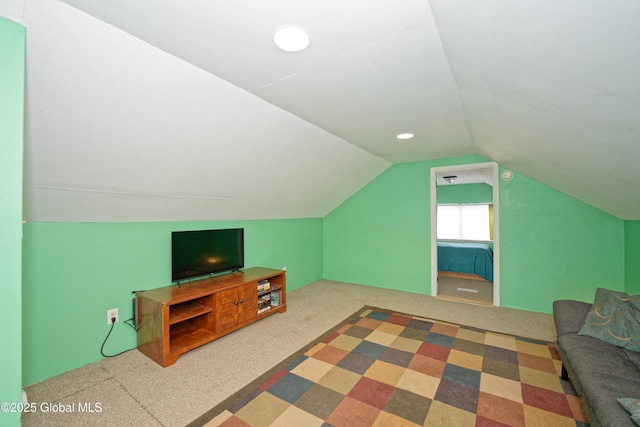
pixel 237 305
pixel 228 309
pixel 248 310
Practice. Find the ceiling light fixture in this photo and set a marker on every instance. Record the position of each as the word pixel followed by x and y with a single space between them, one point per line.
pixel 291 38
pixel 405 136
pixel 450 178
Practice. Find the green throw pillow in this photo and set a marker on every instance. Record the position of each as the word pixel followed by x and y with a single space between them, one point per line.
pixel 633 407
pixel 614 318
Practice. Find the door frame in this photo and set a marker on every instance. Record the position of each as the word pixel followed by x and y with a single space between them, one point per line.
pixel 496 224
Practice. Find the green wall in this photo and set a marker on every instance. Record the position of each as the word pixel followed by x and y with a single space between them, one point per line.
pixel 12 60
pixel 75 272
pixel 464 193
pixel 555 247
pixel 632 257
pixel 552 246
pixel 381 235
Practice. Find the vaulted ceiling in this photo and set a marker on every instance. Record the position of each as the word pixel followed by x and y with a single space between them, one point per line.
pixel 145 110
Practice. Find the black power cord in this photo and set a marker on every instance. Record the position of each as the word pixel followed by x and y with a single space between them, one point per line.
pixel 113 323
pixel 132 322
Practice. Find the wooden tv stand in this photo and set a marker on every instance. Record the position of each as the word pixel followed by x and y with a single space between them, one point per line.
pixel 173 320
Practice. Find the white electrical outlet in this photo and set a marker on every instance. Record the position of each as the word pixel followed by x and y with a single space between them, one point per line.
pixel 113 313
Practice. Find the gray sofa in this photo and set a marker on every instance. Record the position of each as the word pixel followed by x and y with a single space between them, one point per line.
pixel 600 372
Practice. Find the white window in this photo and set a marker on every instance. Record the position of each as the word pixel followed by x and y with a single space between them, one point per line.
pixel 464 222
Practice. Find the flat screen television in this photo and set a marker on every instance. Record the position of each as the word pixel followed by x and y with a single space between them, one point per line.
pixel 205 252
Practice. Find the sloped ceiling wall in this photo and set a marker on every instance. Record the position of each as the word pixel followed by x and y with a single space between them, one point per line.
pixel 139 110
pixel 119 130
pixel 551 89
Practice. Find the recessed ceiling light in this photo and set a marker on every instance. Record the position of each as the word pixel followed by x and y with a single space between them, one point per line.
pixel 291 38
pixel 405 136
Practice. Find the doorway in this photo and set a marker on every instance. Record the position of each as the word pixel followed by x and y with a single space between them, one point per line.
pixel 467 286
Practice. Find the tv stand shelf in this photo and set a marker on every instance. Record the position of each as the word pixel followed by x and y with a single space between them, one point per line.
pixel 174 320
pixel 187 311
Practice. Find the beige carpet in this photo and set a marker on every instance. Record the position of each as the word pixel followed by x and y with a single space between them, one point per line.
pixel 463 289
pixel 133 390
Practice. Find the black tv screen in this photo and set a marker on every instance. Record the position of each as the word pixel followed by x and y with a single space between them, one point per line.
pixel 204 252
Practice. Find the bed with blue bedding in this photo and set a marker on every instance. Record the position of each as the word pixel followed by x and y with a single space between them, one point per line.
pixel 463 257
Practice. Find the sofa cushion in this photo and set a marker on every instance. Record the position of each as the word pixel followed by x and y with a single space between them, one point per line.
pixel 602 373
pixel 590 356
pixel 602 394
pixel 632 406
pixel 614 318
pixel 569 315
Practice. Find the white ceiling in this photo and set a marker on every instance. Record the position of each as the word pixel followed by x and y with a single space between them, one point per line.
pixel 168 110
